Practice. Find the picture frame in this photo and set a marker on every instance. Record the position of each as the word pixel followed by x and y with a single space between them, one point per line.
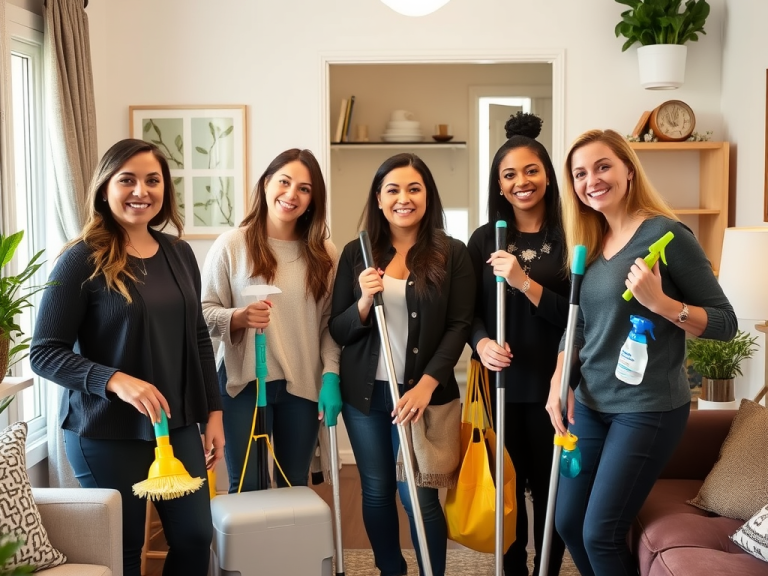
pixel 206 151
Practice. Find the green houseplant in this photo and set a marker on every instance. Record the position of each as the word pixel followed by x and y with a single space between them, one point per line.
pixel 662 28
pixel 8 548
pixel 719 363
pixel 14 298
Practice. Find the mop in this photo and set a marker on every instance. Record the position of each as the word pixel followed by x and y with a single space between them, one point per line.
pixel 167 478
pixel 259 292
pixel 577 274
pixel 501 293
pixel 410 477
pixel 336 497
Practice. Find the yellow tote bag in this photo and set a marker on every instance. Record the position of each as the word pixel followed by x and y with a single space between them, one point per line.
pixel 470 507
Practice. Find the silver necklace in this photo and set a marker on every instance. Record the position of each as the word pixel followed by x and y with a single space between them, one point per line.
pixel 529 255
pixel 143 269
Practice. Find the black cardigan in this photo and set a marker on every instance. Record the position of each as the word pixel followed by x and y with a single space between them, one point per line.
pixel 438 327
pixel 85 333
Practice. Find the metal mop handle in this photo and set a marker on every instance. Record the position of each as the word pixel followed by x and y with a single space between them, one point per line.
pixel 336 500
pixel 501 290
pixel 577 274
pixel 410 476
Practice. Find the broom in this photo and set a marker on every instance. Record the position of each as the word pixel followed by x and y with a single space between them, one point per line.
pixel 167 478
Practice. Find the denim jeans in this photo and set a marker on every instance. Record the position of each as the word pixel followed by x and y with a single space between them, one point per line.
pixel 622 456
pixel 291 421
pixel 375 443
pixel 119 464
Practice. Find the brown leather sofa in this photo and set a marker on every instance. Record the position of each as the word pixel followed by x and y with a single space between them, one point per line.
pixel 672 538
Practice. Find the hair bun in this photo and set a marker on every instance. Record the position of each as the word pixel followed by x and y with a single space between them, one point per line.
pixel 523 124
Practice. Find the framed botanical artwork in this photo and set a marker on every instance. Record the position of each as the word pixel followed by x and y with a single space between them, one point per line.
pixel 206 151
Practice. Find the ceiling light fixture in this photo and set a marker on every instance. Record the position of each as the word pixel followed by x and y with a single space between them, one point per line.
pixel 415 7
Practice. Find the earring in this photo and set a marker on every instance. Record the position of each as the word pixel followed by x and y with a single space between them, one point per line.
pixel 103 198
pixel 501 192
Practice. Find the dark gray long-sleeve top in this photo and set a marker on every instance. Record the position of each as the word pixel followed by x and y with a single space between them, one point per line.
pixel 604 323
pixel 85 333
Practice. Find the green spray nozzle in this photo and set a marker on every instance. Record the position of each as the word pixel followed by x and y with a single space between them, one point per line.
pixel 655 250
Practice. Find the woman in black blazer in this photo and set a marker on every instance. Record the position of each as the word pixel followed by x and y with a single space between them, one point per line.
pixel 427 283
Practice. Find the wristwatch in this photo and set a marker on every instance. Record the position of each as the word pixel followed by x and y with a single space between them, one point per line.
pixel 683 316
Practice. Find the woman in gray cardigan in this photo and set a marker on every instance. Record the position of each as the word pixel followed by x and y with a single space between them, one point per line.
pixel 626 431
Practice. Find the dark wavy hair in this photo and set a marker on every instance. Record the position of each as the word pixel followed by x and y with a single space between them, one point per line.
pixel 428 257
pixel 104 235
pixel 522 130
pixel 311 227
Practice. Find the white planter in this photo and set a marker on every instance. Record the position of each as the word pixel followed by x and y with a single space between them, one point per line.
pixel 662 66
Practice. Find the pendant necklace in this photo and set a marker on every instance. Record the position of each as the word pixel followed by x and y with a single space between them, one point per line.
pixel 143 268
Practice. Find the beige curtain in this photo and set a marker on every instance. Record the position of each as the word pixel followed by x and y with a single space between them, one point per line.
pixel 72 158
pixel 6 132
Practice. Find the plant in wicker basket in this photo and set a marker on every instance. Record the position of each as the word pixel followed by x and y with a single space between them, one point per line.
pixel 14 298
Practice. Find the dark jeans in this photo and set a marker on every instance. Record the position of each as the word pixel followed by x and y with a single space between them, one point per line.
pixel 292 423
pixel 622 456
pixel 119 464
pixel 375 443
pixel 528 437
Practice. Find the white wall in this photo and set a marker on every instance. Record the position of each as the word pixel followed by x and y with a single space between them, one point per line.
pixel 743 106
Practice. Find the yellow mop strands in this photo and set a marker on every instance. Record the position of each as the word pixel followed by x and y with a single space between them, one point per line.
pixel 167 478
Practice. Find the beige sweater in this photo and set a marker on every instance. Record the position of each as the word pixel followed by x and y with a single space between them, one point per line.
pixel 299 347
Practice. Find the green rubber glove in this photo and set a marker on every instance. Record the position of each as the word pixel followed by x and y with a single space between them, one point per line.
pixel 329 402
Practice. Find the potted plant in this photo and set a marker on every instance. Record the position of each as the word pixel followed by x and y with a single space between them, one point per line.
pixel 14 298
pixel 662 29
pixel 719 363
pixel 8 548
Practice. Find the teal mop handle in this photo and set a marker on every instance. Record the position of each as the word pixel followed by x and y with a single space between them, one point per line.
pixel 161 428
pixel 261 367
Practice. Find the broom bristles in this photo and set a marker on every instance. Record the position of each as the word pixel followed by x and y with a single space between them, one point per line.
pixel 167 487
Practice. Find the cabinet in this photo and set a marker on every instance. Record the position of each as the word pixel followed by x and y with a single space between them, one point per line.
pixel 706 211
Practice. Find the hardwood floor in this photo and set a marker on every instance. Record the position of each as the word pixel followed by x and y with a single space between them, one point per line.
pixel 353 531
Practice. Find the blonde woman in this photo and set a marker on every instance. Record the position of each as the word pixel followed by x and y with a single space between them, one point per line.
pixel 626 432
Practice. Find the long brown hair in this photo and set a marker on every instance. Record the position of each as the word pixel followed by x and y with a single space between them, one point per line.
pixel 582 223
pixel 428 257
pixel 104 235
pixel 311 227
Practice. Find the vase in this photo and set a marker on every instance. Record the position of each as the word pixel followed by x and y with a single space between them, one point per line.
pixel 717 389
pixel 5 346
pixel 662 66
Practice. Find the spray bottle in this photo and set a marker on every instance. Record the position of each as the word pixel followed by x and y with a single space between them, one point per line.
pixel 655 251
pixel 633 357
pixel 570 457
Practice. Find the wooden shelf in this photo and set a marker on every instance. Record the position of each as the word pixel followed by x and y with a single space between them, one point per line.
pixel 712 211
pixel 388 145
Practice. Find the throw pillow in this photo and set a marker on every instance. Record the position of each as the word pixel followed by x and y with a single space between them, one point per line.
pixel 736 486
pixel 753 536
pixel 18 512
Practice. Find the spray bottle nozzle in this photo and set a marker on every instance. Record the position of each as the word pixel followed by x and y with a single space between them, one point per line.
pixel 641 325
pixel 655 250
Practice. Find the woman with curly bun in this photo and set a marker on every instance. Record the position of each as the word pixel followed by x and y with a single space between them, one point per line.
pixel 522 190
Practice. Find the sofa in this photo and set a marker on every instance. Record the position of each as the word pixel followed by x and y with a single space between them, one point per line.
pixel 672 538
pixel 86 525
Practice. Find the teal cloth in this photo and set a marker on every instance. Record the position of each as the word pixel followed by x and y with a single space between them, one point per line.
pixel 329 402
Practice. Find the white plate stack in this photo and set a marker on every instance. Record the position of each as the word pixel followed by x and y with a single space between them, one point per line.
pixel 402 128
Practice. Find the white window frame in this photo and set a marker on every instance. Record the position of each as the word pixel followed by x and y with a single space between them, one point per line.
pixel 25 31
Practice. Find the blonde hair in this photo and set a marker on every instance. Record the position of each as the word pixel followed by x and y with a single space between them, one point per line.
pixel 583 224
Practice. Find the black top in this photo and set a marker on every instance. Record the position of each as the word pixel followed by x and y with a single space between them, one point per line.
pixel 532 332
pixel 165 312
pixel 85 333
pixel 438 327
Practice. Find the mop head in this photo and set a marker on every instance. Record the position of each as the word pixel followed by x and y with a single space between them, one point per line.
pixel 167 479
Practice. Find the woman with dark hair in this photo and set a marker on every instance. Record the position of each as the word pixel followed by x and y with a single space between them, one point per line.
pixel 427 284
pixel 282 241
pixel 627 430
pixel 522 190
pixel 122 329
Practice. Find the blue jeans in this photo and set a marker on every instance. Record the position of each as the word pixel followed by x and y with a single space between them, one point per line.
pixel 291 421
pixel 375 443
pixel 622 456
pixel 119 464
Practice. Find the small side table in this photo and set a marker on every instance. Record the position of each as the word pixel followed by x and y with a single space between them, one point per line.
pixel 764 390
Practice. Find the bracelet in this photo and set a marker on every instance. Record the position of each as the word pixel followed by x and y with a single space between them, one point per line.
pixel 526 286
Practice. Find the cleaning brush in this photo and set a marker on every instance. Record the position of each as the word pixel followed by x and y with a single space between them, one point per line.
pixel 167 478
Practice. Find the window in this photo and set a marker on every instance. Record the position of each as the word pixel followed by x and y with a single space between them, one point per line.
pixel 25 210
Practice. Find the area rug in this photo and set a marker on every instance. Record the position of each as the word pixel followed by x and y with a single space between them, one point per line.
pixel 459 563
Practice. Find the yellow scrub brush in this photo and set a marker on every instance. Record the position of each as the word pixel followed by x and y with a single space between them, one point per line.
pixel 167 479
